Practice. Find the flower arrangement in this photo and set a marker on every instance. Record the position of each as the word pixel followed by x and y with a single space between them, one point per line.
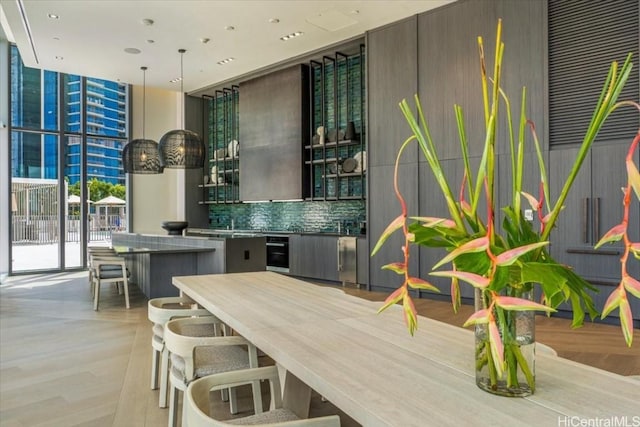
pixel 505 265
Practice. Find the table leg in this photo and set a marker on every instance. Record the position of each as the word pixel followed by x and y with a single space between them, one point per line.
pixel 296 395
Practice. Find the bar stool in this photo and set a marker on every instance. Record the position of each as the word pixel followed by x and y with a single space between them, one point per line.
pixel 196 405
pixel 197 352
pixel 160 311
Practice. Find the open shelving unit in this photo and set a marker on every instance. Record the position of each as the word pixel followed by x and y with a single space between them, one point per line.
pixel 223 167
pixel 337 98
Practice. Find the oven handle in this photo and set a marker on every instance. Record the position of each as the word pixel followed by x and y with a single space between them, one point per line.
pixel 281 245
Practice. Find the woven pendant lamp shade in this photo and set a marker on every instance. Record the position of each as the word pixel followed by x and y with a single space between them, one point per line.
pixel 181 149
pixel 142 156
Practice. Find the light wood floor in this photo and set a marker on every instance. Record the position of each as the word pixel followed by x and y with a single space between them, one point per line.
pixel 62 364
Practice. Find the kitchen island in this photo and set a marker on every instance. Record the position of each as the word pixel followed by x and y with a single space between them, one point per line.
pixel 154 259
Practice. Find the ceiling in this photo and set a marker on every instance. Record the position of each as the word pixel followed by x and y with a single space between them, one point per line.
pixel 90 37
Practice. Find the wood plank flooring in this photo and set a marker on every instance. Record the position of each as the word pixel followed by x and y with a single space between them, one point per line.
pixel 63 364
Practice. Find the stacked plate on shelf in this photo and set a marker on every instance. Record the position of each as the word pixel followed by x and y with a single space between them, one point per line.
pixel 361 161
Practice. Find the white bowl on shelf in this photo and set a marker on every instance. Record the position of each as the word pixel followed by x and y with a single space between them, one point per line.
pixel 361 159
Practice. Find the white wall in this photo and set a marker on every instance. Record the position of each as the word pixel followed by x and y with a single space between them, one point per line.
pixel 156 198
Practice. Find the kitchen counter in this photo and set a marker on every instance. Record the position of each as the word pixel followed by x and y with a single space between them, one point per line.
pixel 154 259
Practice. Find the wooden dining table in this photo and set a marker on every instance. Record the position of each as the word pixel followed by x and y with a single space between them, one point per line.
pixel 369 366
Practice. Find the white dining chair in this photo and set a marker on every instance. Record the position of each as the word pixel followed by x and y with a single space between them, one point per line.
pixel 109 269
pixel 159 312
pixel 195 351
pixel 197 404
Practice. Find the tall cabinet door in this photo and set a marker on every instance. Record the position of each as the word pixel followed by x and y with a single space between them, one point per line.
pixel 593 207
pixel 392 76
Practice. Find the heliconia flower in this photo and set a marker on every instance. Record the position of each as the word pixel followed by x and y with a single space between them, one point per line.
pixel 410 314
pixel 532 200
pixel 455 294
pixel 396 224
pixel 480 316
pixel 634 177
pixel 476 245
pixel 613 301
pixel 510 256
pixel 497 347
pixel 520 304
pixel 429 221
pixel 417 283
pixel 635 249
pixel 613 235
pixel 466 208
pixel 398 267
pixel 393 298
pixel 626 321
pixel 632 285
pixel 473 279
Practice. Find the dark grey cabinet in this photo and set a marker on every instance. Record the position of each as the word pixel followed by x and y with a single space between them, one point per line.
pixel 314 256
pixel 274 129
pixel 392 76
pixel 593 207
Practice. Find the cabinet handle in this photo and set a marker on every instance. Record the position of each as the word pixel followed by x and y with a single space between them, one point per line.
pixel 339 256
pixel 596 219
pixel 585 220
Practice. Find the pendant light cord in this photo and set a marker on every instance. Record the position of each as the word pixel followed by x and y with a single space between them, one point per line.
pixel 182 51
pixel 144 98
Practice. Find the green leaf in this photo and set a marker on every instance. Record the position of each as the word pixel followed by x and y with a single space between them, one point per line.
pixel 396 224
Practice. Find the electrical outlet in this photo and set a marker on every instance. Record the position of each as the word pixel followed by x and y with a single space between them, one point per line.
pixel 528 214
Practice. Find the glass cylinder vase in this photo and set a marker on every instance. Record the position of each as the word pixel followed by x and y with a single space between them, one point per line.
pixel 517 331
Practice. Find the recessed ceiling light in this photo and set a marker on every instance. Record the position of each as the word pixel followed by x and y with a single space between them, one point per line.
pixel 56 38
pixel 274 20
pixel 132 50
pixel 229 28
pixel 59 58
pixel 147 21
pixel 205 40
pixel 225 61
pixel 291 36
pixel 176 80
pixel 53 16
pixel 151 41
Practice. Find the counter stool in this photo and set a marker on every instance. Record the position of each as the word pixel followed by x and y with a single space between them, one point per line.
pixel 196 405
pixel 197 352
pixel 160 311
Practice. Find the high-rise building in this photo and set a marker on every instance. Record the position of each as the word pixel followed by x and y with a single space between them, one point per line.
pixel 35 118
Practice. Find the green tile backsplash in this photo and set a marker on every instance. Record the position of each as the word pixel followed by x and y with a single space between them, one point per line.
pixel 290 216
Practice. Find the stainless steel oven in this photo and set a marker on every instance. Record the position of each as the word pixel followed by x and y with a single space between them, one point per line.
pixel 278 253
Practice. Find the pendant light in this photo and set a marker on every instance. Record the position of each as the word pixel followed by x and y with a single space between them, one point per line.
pixel 141 156
pixel 182 149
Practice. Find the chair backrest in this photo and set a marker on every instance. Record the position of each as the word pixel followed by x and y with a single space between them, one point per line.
pixel 196 405
pixel 182 336
pixel 161 310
